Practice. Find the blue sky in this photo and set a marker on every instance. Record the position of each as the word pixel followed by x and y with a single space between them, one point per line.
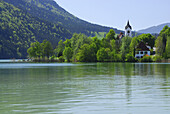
pixel 115 13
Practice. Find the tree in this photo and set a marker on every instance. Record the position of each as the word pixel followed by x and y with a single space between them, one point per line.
pixel 165 31
pixel 47 49
pixel 110 35
pixel 67 43
pixel 130 58
pixel 133 45
pixel 168 47
pixel 97 42
pixel 105 43
pixel 77 41
pixel 159 46
pixel 102 55
pixel 147 38
pixel 68 53
pixel 35 50
pixel 113 44
pixel 125 48
pixel 60 48
pixel 87 53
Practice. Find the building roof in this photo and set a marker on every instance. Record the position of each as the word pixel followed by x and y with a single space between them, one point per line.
pixel 142 47
pixel 121 35
pixel 128 25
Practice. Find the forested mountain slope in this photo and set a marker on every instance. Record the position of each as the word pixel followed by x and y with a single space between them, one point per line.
pixel 26 21
pixel 18 29
pixel 49 10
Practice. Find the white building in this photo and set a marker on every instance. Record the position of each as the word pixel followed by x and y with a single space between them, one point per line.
pixel 128 30
pixel 141 50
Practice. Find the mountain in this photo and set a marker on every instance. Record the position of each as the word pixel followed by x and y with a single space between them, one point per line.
pixel 50 11
pixel 25 21
pixel 19 28
pixel 154 29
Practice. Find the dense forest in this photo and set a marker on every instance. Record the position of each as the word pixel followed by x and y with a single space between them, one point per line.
pixel 81 48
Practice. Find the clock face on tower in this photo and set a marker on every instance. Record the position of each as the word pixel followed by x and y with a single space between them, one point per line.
pixel 128 31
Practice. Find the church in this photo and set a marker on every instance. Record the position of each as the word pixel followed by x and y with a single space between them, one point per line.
pixel 141 49
pixel 128 30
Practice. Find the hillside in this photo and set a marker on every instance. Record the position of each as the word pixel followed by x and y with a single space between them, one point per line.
pixel 26 21
pixel 154 29
pixel 49 10
pixel 18 29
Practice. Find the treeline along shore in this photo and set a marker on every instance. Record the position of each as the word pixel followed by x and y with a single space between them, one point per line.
pixel 111 48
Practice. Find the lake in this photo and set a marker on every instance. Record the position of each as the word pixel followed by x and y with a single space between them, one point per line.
pixel 84 88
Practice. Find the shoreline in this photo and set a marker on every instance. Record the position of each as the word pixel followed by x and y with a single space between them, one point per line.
pixel 57 61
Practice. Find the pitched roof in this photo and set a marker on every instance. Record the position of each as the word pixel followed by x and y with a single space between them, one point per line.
pixel 128 25
pixel 142 47
pixel 121 35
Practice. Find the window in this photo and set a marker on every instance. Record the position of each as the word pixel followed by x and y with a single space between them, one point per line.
pixel 146 52
pixel 137 57
pixel 141 52
pixel 137 52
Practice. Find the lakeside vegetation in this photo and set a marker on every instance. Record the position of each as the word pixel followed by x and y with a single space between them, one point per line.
pixel 81 48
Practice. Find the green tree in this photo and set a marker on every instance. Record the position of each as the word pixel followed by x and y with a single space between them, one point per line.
pixel 86 53
pixel 77 41
pixel 110 35
pixel 97 42
pixel 125 48
pixel 168 47
pixel 60 48
pixel 130 58
pixel 67 43
pixel 35 50
pixel 113 44
pixel 159 46
pixel 102 55
pixel 147 38
pixel 164 34
pixel 133 45
pixel 47 49
pixel 105 43
pixel 68 53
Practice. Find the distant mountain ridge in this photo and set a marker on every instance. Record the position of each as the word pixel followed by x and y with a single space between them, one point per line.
pixel 154 29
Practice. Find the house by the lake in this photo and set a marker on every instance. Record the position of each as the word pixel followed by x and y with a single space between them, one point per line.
pixel 141 50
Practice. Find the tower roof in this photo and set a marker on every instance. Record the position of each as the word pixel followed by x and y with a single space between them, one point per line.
pixel 128 25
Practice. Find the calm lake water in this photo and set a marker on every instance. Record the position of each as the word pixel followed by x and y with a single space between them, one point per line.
pixel 92 88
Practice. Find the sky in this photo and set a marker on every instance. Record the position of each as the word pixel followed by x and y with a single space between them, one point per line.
pixel 115 13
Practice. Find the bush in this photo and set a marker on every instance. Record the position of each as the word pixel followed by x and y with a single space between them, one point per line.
pixel 146 59
pixel 130 58
pixel 61 59
pixel 157 58
pixel 118 58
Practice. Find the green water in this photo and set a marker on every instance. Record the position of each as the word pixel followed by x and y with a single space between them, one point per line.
pixel 92 88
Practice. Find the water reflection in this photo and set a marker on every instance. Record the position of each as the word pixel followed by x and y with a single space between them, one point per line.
pixel 88 88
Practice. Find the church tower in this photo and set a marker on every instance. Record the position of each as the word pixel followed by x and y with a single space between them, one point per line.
pixel 128 30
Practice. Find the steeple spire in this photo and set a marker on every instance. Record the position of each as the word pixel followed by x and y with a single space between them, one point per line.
pixel 128 25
